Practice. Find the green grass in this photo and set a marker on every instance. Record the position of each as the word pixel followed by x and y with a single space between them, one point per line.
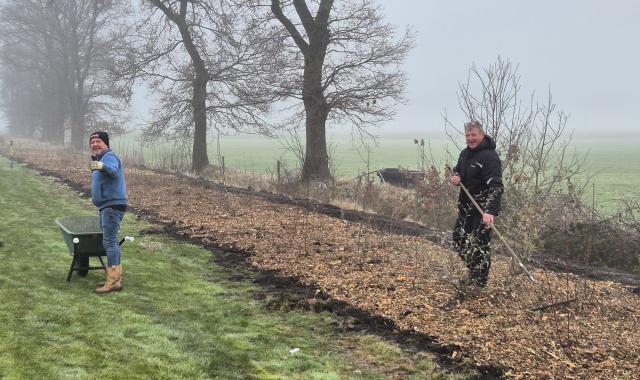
pixel 178 317
pixel 615 163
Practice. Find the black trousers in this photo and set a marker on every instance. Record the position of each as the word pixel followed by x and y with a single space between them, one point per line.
pixel 471 239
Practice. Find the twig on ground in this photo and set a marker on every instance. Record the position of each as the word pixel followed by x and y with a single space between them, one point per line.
pixel 561 303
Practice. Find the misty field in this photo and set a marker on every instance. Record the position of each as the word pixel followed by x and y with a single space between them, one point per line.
pixel 613 162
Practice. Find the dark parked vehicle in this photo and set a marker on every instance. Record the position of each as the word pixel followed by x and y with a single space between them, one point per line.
pixel 401 177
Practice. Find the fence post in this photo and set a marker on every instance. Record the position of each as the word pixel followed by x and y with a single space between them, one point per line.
pixel 278 170
pixel 11 154
pixel 224 177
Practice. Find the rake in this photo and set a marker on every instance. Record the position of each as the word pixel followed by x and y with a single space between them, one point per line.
pixel 499 235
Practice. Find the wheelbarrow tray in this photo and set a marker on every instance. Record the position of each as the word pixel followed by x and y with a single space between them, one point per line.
pixel 87 230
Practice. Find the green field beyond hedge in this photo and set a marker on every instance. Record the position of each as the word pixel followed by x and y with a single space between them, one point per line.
pixel 613 161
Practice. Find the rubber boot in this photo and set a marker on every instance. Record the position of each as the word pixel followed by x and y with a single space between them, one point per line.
pixel 111 285
pixel 118 283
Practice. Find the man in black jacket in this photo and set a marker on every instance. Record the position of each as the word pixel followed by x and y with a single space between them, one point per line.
pixel 479 169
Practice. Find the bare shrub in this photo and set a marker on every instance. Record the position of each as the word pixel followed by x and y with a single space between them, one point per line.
pixel 591 237
pixel 543 207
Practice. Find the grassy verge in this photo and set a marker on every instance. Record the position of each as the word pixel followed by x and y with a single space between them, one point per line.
pixel 179 316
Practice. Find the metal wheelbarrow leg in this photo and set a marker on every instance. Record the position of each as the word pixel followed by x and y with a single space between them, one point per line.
pixel 80 263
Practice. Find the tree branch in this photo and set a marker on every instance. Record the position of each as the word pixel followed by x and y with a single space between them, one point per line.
pixel 276 8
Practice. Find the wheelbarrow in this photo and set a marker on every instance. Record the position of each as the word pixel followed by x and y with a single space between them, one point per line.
pixel 83 236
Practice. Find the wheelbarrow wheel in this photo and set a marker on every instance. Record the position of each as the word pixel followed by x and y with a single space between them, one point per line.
pixel 83 262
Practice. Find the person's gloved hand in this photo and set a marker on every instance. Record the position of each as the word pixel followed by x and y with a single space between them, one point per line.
pixel 96 165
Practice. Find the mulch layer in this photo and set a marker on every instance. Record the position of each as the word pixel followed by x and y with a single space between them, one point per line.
pixel 564 327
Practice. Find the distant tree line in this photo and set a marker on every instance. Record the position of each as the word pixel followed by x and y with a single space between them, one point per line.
pixel 69 66
pixel 55 66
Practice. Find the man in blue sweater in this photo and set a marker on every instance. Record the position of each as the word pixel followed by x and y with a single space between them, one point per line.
pixel 109 194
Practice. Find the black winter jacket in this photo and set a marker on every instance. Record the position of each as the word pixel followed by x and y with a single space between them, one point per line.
pixel 480 170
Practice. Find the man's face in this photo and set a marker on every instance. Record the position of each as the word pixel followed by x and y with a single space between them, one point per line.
pixel 474 137
pixel 97 146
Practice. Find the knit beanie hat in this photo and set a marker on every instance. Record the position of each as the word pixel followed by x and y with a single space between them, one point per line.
pixel 101 135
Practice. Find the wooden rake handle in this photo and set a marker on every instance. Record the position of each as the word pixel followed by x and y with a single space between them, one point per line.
pixel 495 230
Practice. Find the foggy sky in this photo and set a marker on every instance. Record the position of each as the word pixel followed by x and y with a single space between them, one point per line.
pixel 585 50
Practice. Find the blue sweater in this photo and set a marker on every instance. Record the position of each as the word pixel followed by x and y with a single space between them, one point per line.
pixel 107 185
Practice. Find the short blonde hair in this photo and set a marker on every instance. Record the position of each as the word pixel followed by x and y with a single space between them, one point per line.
pixel 474 124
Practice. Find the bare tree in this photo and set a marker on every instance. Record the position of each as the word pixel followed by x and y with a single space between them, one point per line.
pixel 66 46
pixel 32 74
pixel 176 13
pixel 19 91
pixel 543 179
pixel 91 34
pixel 348 69
pixel 530 136
pixel 227 76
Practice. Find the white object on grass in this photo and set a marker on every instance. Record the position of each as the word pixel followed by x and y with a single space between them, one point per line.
pixel 294 350
pixel 129 238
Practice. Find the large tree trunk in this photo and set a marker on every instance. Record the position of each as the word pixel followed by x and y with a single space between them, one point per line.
pixel 316 159
pixel 77 119
pixel 77 130
pixel 200 159
pixel 53 129
pixel 53 121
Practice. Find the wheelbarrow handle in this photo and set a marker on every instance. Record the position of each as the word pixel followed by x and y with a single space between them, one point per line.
pixel 126 238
